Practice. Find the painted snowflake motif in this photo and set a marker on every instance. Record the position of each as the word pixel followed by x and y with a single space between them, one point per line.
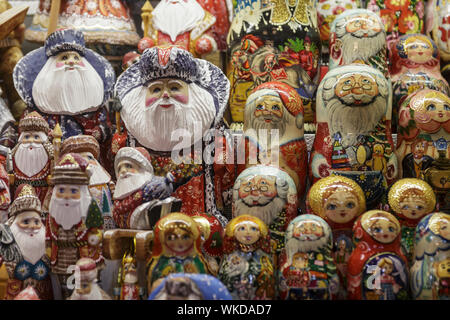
pixel 115 4
pixel 91 5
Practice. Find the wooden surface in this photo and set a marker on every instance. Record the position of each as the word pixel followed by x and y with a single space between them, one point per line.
pixel 143 244
pixel 10 19
pixel 117 241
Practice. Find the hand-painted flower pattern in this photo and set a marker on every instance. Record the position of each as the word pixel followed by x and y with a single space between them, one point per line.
pixel 389 19
pixel 397 5
pixel 409 23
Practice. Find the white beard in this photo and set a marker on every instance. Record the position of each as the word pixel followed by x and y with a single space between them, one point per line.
pixel 130 183
pixel 294 245
pixel 176 19
pixel 32 248
pixel 68 216
pixel 267 213
pixel 153 126
pixel 354 48
pixel 30 162
pixel 95 294
pixel 238 268
pixel 352 121
pixel 56 91
pixel 99 175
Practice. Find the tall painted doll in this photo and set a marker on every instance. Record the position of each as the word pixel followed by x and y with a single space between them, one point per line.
pixel 247 269
pixel 377 268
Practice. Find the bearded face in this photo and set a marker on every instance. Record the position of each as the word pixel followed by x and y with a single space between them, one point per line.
pixel 98 175
pixel 30 156
pixel 130 177
pixel 68 84
pixel 69 204
pixel 355 104
pixel 261 196
pixel 433 113
pixel 29 233
pixel 360 36
pixel 184 16
pixel 153 114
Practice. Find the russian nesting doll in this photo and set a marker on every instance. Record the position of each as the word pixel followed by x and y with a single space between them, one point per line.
pixel 430 273
pixel 339 201
pixel 306 268
pixel 268 193
pixel 273 41
pixel 377 268
pixel 247 268
pixel 410 199
pixel 273 123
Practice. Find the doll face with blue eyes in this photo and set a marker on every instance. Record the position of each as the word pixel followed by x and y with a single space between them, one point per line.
pixel 438 109
pixel 413 207
pixel 269 108
pixel 68 192
pixel 247 232
pixel 419 51
pixel 32 137
pixel 383 230
pixel 341 207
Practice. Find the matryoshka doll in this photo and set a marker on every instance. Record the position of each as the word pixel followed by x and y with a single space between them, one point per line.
pixel 212 234
pixel 268 193
pixel 248 266
pixel 414 65
pixel 339 201
pixel 176 248
pixel 307 270
pixel 273 41
pixel 437 27
pixel 358 36
pixel 424 117
pixel 353 130
pixel 410 199
pixel 273 123
pixel 430 273
pixel 377 268
pixel 399 17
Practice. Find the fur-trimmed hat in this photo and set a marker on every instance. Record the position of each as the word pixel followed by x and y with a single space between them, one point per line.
pixel 25 200
pixel 81 143
pixel 138 155
pixel 71 169
pixel 33 122
pixel 88 269
pixel 64 40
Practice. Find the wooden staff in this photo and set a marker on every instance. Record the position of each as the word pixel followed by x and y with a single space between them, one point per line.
pixel 54 13
pixel 146 16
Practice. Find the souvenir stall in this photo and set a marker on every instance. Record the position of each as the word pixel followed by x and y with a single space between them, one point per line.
pixel 232 150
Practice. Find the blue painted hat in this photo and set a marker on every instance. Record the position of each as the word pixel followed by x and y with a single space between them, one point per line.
pixel 210 287
pixel 174 62
pixel 27 69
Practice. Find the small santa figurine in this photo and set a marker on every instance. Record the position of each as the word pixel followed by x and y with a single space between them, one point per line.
pixel 22 246
pixel 129 289
pixel 33 154
pixel 5 197
pixel 86 288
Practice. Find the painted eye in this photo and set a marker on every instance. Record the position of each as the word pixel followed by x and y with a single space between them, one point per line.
pixel 156 90
pixel 431 107
pixel 90 157
pixel 347 82
pixel 27 136
pixel 36 137
pixel 405 207
pixel 446 107
pixel 419 207
pixel 350 205
pixel 365 81
pixel 377 230
pixel 74 191
pixel 75 57
pixel 26 221
pixel 263 182
pixel 64 57
pixel 186 237
pixel 241 229
pixel 171 237
pixel 61 190
pixel 128 166
pixel 259 107
pixel 254 229
pixel 414 46
pixel 174 89
pixel 391 229
pixel 276 107
pixel 331 207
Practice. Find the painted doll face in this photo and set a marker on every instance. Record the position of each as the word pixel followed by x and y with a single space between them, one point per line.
pixel 31 137
pixel 341 207
pixel 444 228
pixel 413 207
pixel 30 222
pixel 258 190
pixel 438 110
pixel 179 240
pixel 68 192
pixel 419 51
pixel 363 25
pixel 356 89
pixel 167 89
pixel 247 232
pixel 89 157
pixel 308 230
pixel 387 268
pixel 300 260
pixel 84 289
pixel 126 167
pixel 68 60
pixel 383 230
pixel 270 108
pixel 419 149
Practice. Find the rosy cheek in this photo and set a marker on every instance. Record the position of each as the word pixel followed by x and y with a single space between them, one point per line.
pixel 181 98
pixel 243 194
pixel 81 63
pixel 150 101
pixel 60 64
pixel 270 194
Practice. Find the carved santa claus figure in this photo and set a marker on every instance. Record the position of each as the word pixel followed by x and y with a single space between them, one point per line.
pixel 136 187
pixel 5 196
pixel 273 123
pixel 129 287
pixel 22 246
pixel 353 119
pixel 99 181
pixel 188 27
pixel 87 288
pixel 170 101
pixel 33 154
pixel 75 223
pixel 68 84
